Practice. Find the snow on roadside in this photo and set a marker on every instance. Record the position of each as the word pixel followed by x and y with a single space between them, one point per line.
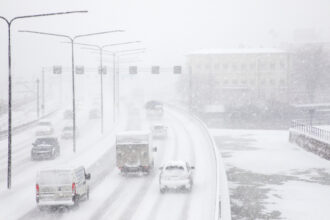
pixel 272 178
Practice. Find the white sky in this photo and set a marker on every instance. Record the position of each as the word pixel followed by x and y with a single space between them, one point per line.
pixel 169 29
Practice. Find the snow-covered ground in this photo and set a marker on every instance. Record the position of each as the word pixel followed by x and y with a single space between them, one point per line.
pixel 270 178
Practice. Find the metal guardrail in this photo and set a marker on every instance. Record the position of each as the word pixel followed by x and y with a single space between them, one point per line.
pixel 311 130
pixel 24 126
pixel 222 204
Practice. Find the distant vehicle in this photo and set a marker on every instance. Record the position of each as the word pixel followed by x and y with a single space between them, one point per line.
pixel 134 152
pixel 94 114
pixel 62 187
pixel 156 112
pixel 67 132
pixel 44 128
pixel 176 175
pixel 159 131
pixel 152 104
pixel 68 114
pixel 45 148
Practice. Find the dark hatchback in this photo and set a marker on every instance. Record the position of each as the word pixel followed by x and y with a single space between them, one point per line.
pixel 45 148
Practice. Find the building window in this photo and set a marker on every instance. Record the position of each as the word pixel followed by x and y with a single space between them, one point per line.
pixel 225 66
pixel 252 66
pixel 234 67
pixel 272 66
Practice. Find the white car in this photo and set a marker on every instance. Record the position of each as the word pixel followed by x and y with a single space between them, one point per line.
pixel 176 175
pixel 159 131
pixel 67 132
pixel 44 128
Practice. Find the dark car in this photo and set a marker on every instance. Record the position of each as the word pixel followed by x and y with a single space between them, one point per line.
pixel 153 104
pixel 45 148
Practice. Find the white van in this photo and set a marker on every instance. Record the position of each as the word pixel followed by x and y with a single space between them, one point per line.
pixel 62 187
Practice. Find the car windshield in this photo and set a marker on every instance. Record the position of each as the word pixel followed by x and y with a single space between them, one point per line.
pixel 132 138
pixel 131 146
pixel 158 127
pixel 44 141
pixel 54 177
pixel 174 170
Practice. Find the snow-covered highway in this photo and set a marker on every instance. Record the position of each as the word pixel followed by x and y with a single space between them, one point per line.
pixel 114 196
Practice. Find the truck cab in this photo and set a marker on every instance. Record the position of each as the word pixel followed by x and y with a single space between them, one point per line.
pixel 134 152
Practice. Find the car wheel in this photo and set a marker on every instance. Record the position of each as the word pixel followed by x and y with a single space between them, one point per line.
pixel 41 208
pixel 87 195
pixel 162 190
pixel 76 201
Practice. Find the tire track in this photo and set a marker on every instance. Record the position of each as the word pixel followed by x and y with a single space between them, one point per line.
pixel 141 193
pixel 160 198
pixel 187 202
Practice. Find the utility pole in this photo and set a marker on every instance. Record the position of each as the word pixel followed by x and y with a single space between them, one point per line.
pixel 43 92
pixel 38 112
pixel 72 42
pixel 101 49
pixel 190 88
pixel 9 24
pixel 114 87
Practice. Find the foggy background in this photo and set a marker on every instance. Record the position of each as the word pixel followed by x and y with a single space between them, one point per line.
pixel 169 29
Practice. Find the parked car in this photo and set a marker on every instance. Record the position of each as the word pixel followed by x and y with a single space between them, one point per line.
pixel 45 148
pixel 44 128
pixel 62 187
pixel 67 132
pixel 176 175
pixel 159 131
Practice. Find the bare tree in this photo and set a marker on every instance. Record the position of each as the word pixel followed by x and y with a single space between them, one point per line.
pixel 311 71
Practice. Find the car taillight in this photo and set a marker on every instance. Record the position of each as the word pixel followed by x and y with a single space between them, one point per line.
pixel 37 188
pixel 73 188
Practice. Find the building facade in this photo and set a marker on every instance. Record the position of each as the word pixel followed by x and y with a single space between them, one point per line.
pixel 236 77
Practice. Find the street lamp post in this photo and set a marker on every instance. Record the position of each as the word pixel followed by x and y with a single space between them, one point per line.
pixel 9 24
pixel 43 104
pixel 72 41
pixel 101 49
pixel 38 113
pixel 118 54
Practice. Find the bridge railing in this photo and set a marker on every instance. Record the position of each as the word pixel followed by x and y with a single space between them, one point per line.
pixel 305 128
